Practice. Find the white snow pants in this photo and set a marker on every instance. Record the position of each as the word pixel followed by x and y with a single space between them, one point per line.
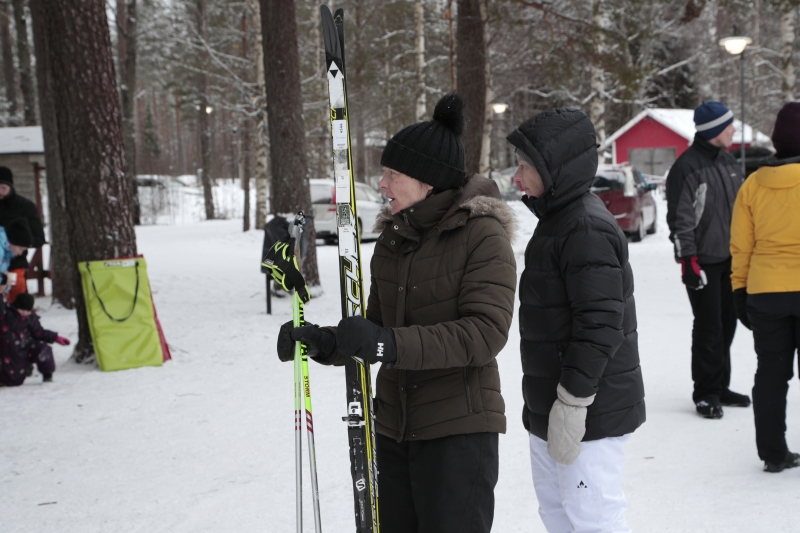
pixel 586 496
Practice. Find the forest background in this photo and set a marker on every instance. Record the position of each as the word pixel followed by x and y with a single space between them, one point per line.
pixel 235 90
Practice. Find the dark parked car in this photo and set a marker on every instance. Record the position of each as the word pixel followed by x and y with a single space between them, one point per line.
pixel 627 196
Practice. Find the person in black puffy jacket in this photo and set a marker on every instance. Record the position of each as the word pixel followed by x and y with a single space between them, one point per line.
pixel 582 382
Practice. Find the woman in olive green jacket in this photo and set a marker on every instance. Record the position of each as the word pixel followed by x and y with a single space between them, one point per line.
pixel 440 306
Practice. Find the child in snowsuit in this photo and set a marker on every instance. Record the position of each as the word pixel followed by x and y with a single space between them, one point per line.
pixel 24 342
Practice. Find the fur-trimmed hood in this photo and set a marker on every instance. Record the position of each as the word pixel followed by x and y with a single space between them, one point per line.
pixel 479 196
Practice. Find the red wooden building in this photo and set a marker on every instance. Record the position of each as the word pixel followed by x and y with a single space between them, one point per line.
pixel 654 138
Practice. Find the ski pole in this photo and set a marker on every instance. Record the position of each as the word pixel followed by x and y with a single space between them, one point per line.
pixel 298 432
pixel 302 382
pixel 282 261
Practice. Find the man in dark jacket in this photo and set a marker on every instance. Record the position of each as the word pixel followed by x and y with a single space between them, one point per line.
pixel 14 207
pixel 701 190
pixel 582 381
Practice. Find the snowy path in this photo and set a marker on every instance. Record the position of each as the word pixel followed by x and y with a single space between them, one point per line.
pixel 205 443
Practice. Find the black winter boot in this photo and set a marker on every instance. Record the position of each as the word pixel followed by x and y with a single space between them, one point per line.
pixel 47 378
pixel 792 460
pixel 728 398
pixel 709 408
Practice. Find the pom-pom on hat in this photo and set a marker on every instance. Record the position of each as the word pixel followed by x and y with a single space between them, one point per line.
pixel 24 301
pixel 431 151
pixel 786 135
pixel 710 118
pixel 6 176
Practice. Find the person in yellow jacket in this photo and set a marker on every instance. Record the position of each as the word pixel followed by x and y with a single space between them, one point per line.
pixel 765 245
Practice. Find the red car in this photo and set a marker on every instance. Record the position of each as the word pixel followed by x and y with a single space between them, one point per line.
pixel 626 193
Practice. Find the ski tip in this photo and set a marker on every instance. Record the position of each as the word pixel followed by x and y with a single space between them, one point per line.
pixel 330 36
pixel 338 15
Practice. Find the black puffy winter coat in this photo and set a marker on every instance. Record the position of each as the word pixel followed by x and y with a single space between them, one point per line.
pixel 13 207
pixel 577 313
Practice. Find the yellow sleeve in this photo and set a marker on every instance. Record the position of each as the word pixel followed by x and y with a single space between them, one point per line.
pixel 742 235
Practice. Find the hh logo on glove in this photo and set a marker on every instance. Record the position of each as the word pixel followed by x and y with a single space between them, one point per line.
pixel 358 337
pixel 282 263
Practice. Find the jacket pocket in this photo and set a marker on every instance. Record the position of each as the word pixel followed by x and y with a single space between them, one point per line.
pixel 467 389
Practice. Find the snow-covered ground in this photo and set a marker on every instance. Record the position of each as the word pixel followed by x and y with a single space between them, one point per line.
pixel 205 443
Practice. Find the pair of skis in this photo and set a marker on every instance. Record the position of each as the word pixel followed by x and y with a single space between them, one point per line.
pixel 360 414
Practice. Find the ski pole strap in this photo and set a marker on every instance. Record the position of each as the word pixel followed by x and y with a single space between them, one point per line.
pixel 282 264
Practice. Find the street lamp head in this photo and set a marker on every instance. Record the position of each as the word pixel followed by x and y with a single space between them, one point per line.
pixel 499 108
pixel 735 45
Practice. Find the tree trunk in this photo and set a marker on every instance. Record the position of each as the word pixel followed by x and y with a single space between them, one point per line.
pixel 25 69
pixel 597 105
pixel 9 72
pixel 360 148
pixel 485 165
pixel 471 78
pixel 290 188
pixel 62 267
pixel 788 20
pixel 451 41
pixel 244 161
pixel 244 146
pixel 126 54
pixel 356 94
pixel 419 19
pixel 262 147
pixel 203 112
pixel 100 215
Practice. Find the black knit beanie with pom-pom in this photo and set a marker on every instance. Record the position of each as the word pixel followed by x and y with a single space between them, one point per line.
pixel 431 151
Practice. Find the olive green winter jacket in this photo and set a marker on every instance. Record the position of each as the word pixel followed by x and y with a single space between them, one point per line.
pixel 444 277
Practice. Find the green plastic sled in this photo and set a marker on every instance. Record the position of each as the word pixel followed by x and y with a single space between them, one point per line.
pixel 119 307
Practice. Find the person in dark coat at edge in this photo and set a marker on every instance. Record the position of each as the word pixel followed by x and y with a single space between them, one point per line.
pixel 765 245
pixel 701 190
pixel 582 383
pixel 14 207
pixel 440 306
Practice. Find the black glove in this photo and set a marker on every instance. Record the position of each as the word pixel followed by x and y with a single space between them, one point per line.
pixel 358 337
pixel 282 263
pixel 321 343
pixel 691 274
pixel 740 305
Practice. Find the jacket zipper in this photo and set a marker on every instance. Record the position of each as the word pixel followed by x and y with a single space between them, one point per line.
pixel 408 276
pixel 469 391
pixel 404 432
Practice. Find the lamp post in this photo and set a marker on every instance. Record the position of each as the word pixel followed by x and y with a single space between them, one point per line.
pixel 735 46
pixel 500 108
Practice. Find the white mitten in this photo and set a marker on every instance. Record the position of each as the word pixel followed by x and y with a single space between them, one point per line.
pixel 567 426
